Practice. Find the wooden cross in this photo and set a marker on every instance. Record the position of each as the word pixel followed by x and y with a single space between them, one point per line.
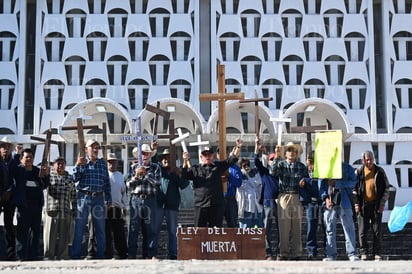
pixel 200 144
pixel 279 121
pixel 46 152
pixel 256 100
pixel 105 145
pixel 157 111
pixel 222 97
pixel 308 129
pixel 171 136
pixel 80 134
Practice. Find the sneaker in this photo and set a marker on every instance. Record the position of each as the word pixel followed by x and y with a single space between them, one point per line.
pixel 364 257
pixel 378 258
pixel 354 258
pixel 328 259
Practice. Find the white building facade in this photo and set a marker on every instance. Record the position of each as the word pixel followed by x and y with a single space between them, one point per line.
pixel 345 64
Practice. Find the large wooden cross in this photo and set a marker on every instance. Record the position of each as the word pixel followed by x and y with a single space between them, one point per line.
pixel 256 100
pixel 308 129
pixel 221 97
pixel 80 134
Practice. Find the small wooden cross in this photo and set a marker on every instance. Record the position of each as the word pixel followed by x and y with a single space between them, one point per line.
pixel 256 100
pixel 222 97
pixel 200 144
pixel 279 121
pixel 181 138
pixel 80 134
pixel 308 129
pixel 157 111
pixel 46 152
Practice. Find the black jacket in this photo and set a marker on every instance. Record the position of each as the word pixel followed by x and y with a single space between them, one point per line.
pixel 381 187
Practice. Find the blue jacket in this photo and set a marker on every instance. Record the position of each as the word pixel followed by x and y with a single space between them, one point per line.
pixel 270 184
pixel 234 180
pixel 310 193
pixel 345 185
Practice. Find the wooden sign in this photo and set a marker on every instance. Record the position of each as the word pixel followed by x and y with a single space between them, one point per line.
pixel 220 243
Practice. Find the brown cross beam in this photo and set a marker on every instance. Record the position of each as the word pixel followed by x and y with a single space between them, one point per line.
pixel 157 111
pixel 308 129
pixel 46 152
pixel 172 147
pixel 256 100
pixel 80 134
pixel 222 97
pixel 105 145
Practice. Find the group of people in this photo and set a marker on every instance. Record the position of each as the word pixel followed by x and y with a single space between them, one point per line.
pixel 96 198
pixel 279 188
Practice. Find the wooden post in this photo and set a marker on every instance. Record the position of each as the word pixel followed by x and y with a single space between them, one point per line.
pixel 80 134
pixel 222 97
pixel 256 100
pixel 308 129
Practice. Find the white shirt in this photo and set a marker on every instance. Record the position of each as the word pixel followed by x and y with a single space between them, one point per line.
pixel 118 189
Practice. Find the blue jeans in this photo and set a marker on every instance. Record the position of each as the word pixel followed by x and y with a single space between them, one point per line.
pixel 312 221
pixel 345 215
pixel 270 214
pixel 86 204
pixel 171 225
pixel 142 211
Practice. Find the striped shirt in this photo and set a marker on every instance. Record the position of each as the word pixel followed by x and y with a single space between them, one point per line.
pixel 93 177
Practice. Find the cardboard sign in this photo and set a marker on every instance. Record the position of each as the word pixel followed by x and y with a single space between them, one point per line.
pixel 328 154
pixel 220 243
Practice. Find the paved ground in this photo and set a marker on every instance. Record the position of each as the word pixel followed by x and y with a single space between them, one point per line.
pixel 203 266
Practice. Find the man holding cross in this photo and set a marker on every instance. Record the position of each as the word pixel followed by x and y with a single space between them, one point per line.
pixel 291 173
pixel 207 183
pixel 93 194
pixel 142 186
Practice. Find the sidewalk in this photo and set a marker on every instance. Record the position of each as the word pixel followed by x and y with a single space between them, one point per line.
pixel 203 266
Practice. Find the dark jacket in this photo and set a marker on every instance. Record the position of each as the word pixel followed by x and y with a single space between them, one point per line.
pixel 22 193
pixel 310 193
pixel 168 194
pixel 207 182
pixel 8 169
pixel 381 187
pixel 270 184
